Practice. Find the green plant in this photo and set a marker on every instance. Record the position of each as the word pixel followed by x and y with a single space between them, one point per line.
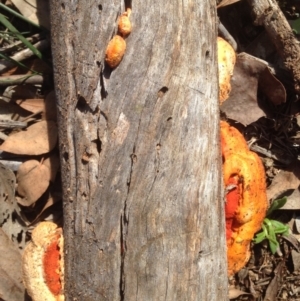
pixel 271 228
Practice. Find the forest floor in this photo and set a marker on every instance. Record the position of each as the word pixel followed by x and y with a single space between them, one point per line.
pixel 264 105
pixel 270 122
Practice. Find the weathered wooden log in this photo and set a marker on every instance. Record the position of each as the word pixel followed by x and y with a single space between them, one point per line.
pixel 141 167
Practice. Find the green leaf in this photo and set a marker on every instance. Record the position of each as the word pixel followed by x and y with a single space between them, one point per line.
pixel 276 205
pixel 273 246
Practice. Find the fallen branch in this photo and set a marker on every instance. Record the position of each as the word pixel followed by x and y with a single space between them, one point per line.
pixel 268 14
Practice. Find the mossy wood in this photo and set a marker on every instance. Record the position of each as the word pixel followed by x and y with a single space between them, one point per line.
pixel 141 169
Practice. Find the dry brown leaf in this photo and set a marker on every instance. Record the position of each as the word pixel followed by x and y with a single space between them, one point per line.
pixel 10 220
pixel 242 104
pixel 53 198
pixel 274 285
pixel 11 111
pixel 53 164
pixel 33 180
pixel 36 11
pixel 37 139
pixel 234 293
pixel 293 198
pixel 50 107
pixel 226 2
pixel 284 181
pixel 11 286
pixel 32 105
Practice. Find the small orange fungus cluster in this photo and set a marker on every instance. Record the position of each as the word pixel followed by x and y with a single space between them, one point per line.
pixel 226 62
pixel 43 265
pixel 246 199
pixel 117 45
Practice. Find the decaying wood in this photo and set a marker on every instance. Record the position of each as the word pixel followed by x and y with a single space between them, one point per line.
pixel 140 153
pixel 269 14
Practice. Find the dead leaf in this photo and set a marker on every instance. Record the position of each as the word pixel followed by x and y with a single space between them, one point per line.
pixel 275 283
pixel 293 198
pixel 242 104
pixel 226 2
pixel 284 181
pixel 36 12
pixel 7 193
pixel 50 107
pixel 33 178
pixel 272 87
pixel 53 164
pixel 37 139
pixel 234 293
pixel 54 197
pixel 10 219
pixel 32 105
pixel 296 260
pixel 11 111
pixel 11 286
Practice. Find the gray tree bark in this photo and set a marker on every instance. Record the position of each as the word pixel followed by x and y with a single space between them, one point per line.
pixel 141 169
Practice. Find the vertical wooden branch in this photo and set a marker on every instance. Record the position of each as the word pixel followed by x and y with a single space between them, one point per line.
pixel 140 152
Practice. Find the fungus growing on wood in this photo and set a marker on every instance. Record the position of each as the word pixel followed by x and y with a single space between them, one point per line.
pixel 226 62
pixel 246 199
pixel 115 51
pixel 43 265
pixel 124 24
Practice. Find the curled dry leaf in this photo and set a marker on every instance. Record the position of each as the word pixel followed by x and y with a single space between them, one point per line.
pixel 250 74
pixel 37 139
pixel 226 61
pixel 115 51
pixel 43 263
pixel 246 199
pixel 33 178
pixel 11 286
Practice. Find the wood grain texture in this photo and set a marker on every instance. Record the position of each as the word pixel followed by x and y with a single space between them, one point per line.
pixel 140 153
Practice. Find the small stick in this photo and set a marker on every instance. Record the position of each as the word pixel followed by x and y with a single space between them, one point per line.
pixel 21 79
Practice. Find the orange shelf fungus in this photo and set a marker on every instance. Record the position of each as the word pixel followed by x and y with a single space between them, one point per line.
pixel 124 24
pixel 226 62
pixel 43 265
pixel 117 45
pixel 246 199
pixel 115 51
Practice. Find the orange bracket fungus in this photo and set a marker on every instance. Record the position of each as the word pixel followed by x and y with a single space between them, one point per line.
pixel 115 51
pixel 117 45
pixel 124 24
pixel 226 62
pixel 43 266
pixel 246 199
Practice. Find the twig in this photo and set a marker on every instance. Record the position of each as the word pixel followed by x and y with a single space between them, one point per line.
pixel 223 32
pixel 268 14
pixel 12 124
pixel 23 55
pixel 21 79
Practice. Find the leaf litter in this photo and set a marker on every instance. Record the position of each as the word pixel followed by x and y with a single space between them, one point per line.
pixel 263 105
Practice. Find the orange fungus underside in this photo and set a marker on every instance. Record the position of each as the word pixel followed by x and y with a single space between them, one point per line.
pixel 51 263
pixel 232 202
